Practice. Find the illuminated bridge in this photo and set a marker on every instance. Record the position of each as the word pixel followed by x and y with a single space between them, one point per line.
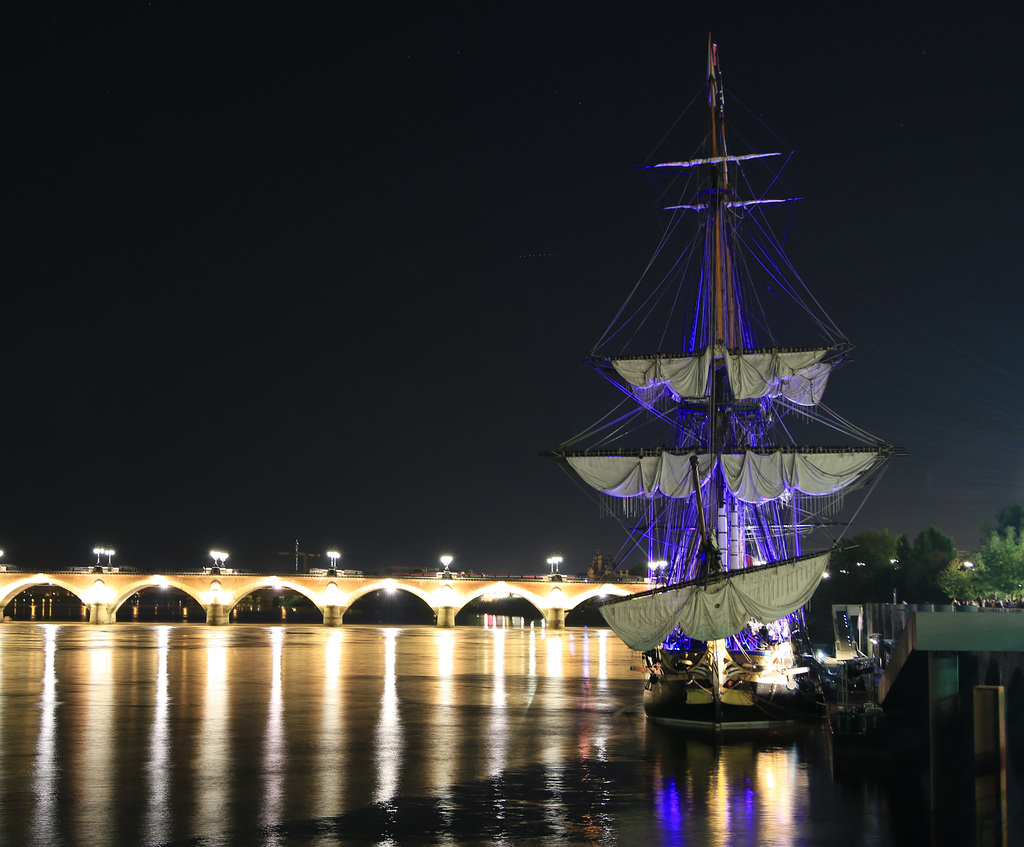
pixel 218 593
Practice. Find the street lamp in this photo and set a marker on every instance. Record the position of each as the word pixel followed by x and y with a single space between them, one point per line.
pixel 103 551
pixel 655 569
pixel 333 555
pixel 446 560
pixel 219 557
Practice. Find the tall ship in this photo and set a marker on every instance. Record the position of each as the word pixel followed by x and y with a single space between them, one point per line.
pixel 721 357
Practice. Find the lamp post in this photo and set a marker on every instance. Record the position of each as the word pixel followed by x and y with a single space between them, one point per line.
pixel 102 551
pixel 219 557
pixel 446 561
pixel 333 555
pixel 553 563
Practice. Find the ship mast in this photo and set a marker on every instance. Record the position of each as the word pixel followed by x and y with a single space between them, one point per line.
pixel 723 332
pixel 724 305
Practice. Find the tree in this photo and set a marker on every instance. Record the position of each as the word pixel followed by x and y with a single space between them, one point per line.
pixel 1002 565
pixel 922 562
pixel 959 581
pixel 868 570
pixel 1010 517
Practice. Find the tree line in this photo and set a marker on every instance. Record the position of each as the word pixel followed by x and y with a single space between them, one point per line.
pixel 878 567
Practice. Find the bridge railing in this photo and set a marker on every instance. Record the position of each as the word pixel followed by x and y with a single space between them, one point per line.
pixel 508 577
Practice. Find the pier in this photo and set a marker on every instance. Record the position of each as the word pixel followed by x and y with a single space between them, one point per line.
pixel 102 593
pixel 952 692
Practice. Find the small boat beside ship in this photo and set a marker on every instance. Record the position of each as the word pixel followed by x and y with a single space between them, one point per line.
pixel 736 518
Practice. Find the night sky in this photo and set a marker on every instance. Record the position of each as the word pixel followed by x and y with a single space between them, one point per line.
pixel 273 272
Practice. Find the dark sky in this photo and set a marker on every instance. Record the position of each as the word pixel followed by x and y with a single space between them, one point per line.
pixel 275 272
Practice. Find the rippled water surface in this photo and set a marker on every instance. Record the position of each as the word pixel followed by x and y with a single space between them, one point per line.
pixel 289 735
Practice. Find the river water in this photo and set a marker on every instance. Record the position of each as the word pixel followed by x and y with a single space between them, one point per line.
pixel 305 735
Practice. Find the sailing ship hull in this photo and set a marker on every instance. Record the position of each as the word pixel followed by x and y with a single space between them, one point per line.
pixel 680 691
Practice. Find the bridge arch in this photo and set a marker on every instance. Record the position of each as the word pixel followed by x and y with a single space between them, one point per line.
pixel 271 582
pixel 598 591
pixel 119 598
pixel 13 589
pixel 535 599
pixel 428 597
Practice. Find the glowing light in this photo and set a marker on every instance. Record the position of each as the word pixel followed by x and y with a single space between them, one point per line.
pixel 554 562
pixel 446 560
pixel 389 585
pixel 333 555
pixel 160 580
pixel 334 597
pixel 219 557
pixel 556 597
pixel 98 593
pixel 213 596
pixel 103 551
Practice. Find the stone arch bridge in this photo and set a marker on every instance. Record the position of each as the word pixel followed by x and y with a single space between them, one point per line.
pixel 219 593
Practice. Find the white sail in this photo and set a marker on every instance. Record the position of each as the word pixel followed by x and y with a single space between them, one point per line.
pixel 751 477
pixel 663 473
pixel 684 376
pixel 799 376
pixel 719 609
pixel 761 477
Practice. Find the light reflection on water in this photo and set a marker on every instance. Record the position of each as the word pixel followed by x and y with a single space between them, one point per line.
pixel 212 744
pixel 289 735
pixel 157 820
pixel 275 756
pixel 389 728
pixel 46 766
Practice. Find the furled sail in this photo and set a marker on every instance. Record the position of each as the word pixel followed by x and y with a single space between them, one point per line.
pixel 756 477
pixel 799 376
pixel 660 473
pixel 716 609
pixel 684 376
pixel 752 476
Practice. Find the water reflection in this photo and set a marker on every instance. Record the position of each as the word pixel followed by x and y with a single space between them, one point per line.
pixel 46 767
pixel 94 820
pixel 158 778
pixel 257 735
pixel 213 744
pixel 331 743
pixel 275 749
pixel 554 655
pixel 388 733
pixel 731 791
pixel 498 729
pixel 443 772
